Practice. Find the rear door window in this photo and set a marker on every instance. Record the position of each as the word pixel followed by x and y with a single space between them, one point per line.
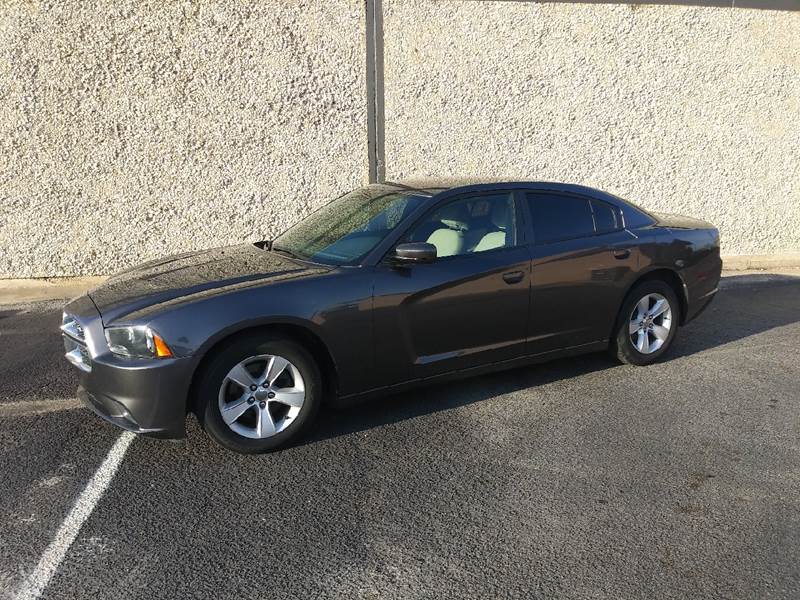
pixel 560 217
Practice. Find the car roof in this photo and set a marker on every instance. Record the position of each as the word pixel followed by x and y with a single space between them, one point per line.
pixel 435 187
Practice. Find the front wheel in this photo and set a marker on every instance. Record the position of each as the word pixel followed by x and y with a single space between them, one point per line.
pixel 647 323
pixel 258 393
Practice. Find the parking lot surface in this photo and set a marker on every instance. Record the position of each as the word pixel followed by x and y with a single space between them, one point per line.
pixel 574 479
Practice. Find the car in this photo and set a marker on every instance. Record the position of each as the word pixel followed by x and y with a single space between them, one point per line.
pixel 387 287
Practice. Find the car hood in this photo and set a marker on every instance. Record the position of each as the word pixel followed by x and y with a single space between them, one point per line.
pixel 194 274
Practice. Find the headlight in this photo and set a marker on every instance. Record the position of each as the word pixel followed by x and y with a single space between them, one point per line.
pixel 137 342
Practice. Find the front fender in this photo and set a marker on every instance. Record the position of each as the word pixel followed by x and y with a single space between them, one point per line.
pixel 336 310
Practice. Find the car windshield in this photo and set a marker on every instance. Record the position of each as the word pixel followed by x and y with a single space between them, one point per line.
pixel 347 229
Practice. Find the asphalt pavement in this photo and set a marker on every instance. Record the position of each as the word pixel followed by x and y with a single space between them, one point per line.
pixel 580 478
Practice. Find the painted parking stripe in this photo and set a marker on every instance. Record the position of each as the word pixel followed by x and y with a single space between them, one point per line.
pixel 37 407
pixel 37 581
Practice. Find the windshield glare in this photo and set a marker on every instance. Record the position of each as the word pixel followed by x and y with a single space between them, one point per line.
pixel 344 231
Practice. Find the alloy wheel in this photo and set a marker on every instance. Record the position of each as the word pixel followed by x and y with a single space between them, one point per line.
pixel 261 396
pixel 650 323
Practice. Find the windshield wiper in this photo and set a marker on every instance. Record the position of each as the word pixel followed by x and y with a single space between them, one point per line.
pixel 286 251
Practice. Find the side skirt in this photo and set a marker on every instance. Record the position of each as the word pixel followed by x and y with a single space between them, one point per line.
pixel 352 399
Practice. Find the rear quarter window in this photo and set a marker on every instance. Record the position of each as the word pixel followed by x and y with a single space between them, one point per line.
pixel 606 218
pixel 634 219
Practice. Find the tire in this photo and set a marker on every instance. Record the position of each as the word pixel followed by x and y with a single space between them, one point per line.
pixel 221 387
pixel 649 335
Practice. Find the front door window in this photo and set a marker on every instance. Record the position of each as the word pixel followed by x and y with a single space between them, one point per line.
pixel 470 225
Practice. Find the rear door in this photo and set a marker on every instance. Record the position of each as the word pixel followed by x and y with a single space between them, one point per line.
pixel 470 306
pixel 582 262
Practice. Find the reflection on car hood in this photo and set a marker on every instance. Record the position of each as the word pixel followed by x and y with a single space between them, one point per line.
pixel 193 274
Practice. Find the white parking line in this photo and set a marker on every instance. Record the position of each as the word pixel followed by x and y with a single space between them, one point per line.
pixel 37 581
pixel 37 407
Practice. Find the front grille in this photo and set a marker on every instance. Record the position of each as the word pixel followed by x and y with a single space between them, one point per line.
pixel 75 348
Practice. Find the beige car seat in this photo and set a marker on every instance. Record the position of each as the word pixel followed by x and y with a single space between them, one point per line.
pixel 496 239
pixel 449 240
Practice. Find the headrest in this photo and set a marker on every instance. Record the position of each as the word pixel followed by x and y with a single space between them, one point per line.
pixel 500 214
pixel 454 216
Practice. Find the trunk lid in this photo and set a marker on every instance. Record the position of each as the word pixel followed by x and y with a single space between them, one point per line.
pixel 679 221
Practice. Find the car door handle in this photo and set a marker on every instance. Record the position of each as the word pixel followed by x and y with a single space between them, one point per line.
pixel 622 253
pixel 513 277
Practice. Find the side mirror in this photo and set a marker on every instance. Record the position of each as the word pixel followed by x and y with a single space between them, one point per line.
pixel 414 252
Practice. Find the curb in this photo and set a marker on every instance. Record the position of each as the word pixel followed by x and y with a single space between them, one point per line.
pixel 13 291
pixel 760 262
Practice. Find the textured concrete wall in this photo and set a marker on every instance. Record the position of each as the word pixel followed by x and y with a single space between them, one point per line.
pixel 136 129
pixel 130 130
pixel 683 109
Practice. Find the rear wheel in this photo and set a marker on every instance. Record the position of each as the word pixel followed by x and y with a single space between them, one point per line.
pixel 258 393
pixel 647 323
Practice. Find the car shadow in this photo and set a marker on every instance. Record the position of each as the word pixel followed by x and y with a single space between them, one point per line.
pixel 746 305
pixel 424 400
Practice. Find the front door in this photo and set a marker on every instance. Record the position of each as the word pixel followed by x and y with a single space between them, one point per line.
pixel 467 308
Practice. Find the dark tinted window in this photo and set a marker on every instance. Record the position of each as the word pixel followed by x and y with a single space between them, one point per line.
pixel 605 217
pixel 560 217
pixel 635 218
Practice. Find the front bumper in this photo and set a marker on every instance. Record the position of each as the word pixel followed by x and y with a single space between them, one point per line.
pixel 149 399
pixel 146 396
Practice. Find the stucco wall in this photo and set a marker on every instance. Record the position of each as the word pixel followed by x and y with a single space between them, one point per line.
pixel 130 130
pixel 683 109
pixel 135 129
